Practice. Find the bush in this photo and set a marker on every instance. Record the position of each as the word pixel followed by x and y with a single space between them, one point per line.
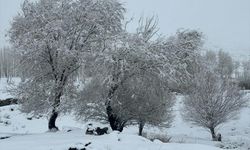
pixel 156 136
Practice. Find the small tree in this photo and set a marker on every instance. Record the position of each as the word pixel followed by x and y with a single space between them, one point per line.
pixel 150 101
pixel 212 101
pixel 52 38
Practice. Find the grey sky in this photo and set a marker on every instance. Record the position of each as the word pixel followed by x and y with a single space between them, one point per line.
pixel 226 23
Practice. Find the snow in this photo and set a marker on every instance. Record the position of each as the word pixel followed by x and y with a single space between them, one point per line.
pixel 22 133
pixel 3 92
pixel 4 84
pixel 114 141
pixel 235 133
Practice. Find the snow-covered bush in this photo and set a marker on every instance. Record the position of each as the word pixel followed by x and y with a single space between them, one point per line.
pixel 157 136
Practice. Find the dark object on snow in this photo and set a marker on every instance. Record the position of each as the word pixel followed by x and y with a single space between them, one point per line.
pixel 90 131
pixel 76 148
pixel 219 137
pixel 101 131
pixel 29 118
pixel 8 101
pixel 69 130
pixel 4 137
pixel 87 144
pixel 73 148
pixel 96 131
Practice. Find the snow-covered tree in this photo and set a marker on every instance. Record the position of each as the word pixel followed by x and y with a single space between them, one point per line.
pixel 210 58
pixel 187 46
pixel 221 62
pixel 53 38
pixel 225 64
pixel 212 100
pixel 148 100
pixel 133 56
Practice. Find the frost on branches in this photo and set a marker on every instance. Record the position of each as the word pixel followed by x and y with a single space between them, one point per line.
pixel 133 75
pixel 52 38
pixel 129 76
pixel 212 100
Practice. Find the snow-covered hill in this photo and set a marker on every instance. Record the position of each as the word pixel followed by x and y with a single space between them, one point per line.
pixel 23 132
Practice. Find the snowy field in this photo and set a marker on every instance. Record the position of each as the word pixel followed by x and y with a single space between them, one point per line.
pixel 19 131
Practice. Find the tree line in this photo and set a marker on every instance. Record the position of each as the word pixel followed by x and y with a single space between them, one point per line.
pixel 125 77
pixel 8 62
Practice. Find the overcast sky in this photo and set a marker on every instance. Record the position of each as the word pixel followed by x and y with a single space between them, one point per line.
pixel 225 23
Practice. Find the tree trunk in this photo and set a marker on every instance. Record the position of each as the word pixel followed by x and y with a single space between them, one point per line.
pixel 214 138
pixel 52 121
pixel 141 126
pixel 8 101
pixel 115 122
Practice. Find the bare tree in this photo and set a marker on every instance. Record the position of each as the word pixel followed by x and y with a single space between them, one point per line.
pixel 212 101
pixel 52 38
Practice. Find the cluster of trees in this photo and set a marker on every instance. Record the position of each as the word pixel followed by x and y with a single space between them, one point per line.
pixel 228 68
pixel 244 77
pixel 126 78
pixel 8 61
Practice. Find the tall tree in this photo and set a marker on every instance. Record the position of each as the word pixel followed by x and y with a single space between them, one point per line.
pixel 142 54
pixel 52 38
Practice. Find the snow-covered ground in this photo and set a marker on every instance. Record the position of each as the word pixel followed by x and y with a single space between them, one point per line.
pixel 3 92
pixel 24 132
pixel 235 133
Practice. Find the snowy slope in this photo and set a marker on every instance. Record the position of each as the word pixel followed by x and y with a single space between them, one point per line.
pixel 3 89
pixel 235 133
pixel 26 133
pixel 76 138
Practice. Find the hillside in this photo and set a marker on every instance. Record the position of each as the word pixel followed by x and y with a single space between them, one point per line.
pixel 22 131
